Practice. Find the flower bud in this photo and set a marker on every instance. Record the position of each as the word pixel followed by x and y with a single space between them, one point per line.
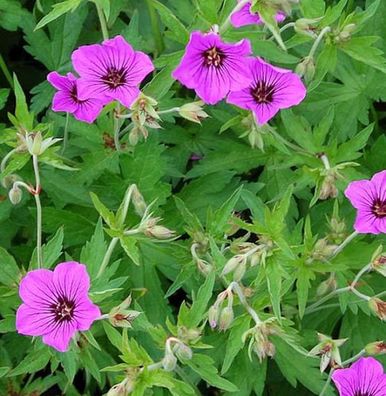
pixel 15 195
pixel 233 263
pixel 322 250
pixel 306 68
pixel 326 286
pixel 134 136
pixel 378 263
pixel 213 316
pixel 239 272
pixel 152 229
pixel 36 144
pixel 226 318
pixel 8 180
pixel 305 26
pixel 122 389
pixel 193 111
pixel 139 202
pixel 328 189
pixel 378 307
pixel 183 352
pixel 376 348
pixel 169 362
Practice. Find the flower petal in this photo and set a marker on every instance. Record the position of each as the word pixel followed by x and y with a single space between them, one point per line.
pixel 62 101
pixel 33 321
pixel 361 194
pixel 61 335
pixel 88 111
pixel 71 280
pixel 36 289
pixel 86 313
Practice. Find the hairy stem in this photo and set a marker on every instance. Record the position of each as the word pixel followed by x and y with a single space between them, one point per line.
pixel 159 43
pixel 65 134
pixel 6 72
pixel 326 298
pixel 318 40
pixel 102 21
pixel 6 158
pixel 117 127
pixel 343 244
pixel 107 256
pixel 234 286
pixel 36 194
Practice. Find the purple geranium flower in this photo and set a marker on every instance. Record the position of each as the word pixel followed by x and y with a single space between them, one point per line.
pixel 111 71
pixel 56 304
pixel 369 198
pixel 364 378
pixel 66 99
pixel 245 17
pixel 272 89
pixel 213 68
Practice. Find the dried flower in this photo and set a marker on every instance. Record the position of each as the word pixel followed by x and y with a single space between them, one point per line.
pixel 121 316
pixel 328 350
pixel 369 198
pixel 271 89
pixel 212 67
pixel 365 377
pixel 193 111
pixel 376 348
pixel 56 304
pixel 378 307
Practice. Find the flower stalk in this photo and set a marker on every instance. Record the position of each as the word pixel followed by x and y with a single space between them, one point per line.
pixel 36 194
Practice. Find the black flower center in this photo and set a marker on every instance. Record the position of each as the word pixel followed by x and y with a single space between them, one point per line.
pixel 379 208
pixel 63 310
pixel 262 92
pixel 74 95
pixel 115 77
pixel 214 57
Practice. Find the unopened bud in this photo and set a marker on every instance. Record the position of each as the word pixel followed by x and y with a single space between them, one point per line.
pixel 122 389
pixel 139 202
pixel 8 181
pixel 169 362
pixel 376 348
pixel 378 307
pixel 160 232
pixel 36 144
pixel 213 315
pixel 233 263
pixel 326 286
pixel 306 68
pixel 134 136
pixel 306 26
pixel 193 112
pixel 378 262
pixel 239 272
pixel 183 352
pixel 328 189
pixel 15 195
pixel 226 318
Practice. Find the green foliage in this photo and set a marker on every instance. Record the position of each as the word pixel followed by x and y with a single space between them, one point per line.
pixel 211 248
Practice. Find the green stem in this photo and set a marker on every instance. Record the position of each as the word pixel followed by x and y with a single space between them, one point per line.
pixel 325 387
pixel 343 244
pixel 107 256
pixel 6 72
pixel 65 134
pixel 326 298
pixel 159 44
pixel 6 158
pixel 117 128
pixel 102 21
pixel 234 286
pixel 315 46
pixel 38 211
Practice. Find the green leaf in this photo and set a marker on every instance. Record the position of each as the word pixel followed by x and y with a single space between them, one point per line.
pixel 325 62
pixel 52 250
pixel 130 246
pixel 200 303
pixel 33 362
pixel 106 214
pixel 303 285
pixel 93 252
pixel 234 342
pixel 312 8
pixel 204 366
pixel 4 92
pixel 361 49
pixel 180 33
pixel 274 282
pixel 24 118
pixel 58 10
pixel 10 273
pixel 113 335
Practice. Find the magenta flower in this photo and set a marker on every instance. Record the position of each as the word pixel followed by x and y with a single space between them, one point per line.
pixel 245 17
pixel 369 198
pixel 364 378
pixel 213 68
pixel 272 89
pixel 111 71
pixel 66 99
pixel 56 304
